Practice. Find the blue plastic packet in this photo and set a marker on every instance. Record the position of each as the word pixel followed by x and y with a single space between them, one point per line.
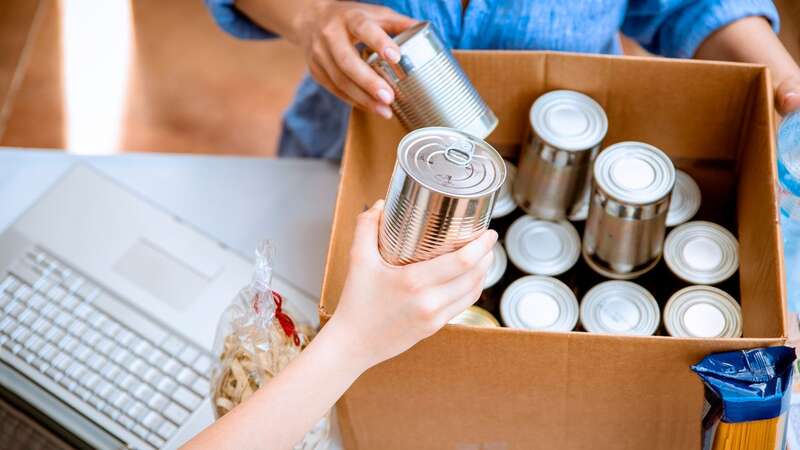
pixel 747 395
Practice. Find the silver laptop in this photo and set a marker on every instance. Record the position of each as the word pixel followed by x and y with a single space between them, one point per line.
pixel 108 308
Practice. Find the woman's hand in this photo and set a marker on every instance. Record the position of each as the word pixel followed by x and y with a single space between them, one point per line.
pixel 386 309
pixel 328 31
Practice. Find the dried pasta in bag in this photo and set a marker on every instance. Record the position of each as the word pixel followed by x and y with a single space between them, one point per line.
pixel 256 338
pixel 747 395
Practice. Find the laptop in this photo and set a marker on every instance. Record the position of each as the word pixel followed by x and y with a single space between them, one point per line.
pixel 108 310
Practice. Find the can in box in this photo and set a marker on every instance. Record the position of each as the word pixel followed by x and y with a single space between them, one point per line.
pixel 498 267
pixel 685 200
pixel 539 303
pixel 631 187
pixel 703 312
pixel 440 196
pixel 542 247
pixel 701 252
pixel 475 316
pixel 430 87
pixel 566 130
pixel 620 307
pixel 504 204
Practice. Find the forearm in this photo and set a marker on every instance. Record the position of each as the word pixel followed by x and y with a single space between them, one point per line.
pixel 278 415
pixel 750 40
pixel 279 16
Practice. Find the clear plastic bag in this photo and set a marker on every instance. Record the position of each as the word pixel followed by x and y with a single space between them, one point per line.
pixel 256 338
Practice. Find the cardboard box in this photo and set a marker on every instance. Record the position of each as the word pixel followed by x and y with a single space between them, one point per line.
pixel 467 388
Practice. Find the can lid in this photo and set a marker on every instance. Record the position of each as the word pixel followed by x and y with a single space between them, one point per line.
pixel 704 312
pixel 634 172
pixel 568 120
pixel 701 252
pixel 418 45
pixel 498 267
pixel 451 162
pixel 620 307
pixel 685 200
pixel 539 303
pixel 542 247
pixel 504 204
pixel 475 316
pixel 580 210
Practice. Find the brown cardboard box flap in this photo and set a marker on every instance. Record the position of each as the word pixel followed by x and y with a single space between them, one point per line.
pixel 467 388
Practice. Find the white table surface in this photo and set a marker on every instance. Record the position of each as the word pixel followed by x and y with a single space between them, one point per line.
pixel 238 201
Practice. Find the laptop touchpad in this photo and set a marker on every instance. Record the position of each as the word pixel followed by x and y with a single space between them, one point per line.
pixel 161 274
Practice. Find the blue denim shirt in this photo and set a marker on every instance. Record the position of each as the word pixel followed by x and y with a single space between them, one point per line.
pixel 315 123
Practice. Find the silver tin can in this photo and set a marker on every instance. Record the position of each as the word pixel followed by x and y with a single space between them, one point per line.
pixel 580 210
pixel 631 188
pixel 539 303
pixel 542 247
pixel 566 130
pixel 701 253
pixel 703 312
pixel 440 196
pixel 475 316
pixel 430 87
pixel 504 204
pixel 685 201
pixel 498 267
pixel 620 307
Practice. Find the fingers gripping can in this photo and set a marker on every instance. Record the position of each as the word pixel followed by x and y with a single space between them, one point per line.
pixel 631 187
pixel 430 87
pixel 566 130
pixel 440 196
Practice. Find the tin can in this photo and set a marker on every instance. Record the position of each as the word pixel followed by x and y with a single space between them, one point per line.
pixel 631 188
pixel 440 196
pixel 580 210
pixel 620 307
pixel 539 303
pixel 701 253
pixel 685 201
pixel 430 87
pixel 475 316
pixel 703 312
pixel 504 204
pixel 498 267
pixel 566 130
pixel 542 247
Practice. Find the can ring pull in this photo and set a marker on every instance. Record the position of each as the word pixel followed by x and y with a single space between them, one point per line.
pixel 460 152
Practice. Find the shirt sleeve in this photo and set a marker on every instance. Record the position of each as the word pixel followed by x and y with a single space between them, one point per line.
pixel 234 22
pixel 676 28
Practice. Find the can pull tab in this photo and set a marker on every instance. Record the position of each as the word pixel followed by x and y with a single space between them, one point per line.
pixel 460 152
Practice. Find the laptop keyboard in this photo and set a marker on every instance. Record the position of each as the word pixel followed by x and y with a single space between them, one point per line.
pixel 78 335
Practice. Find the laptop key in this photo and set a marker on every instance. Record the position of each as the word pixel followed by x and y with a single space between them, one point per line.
pixel 37 301
pixel 155 440
pixel 167 386
pixel 153 420
pixel 175 413
pixel 186 398
pixel 186 376
pixel 170 366
pixel 157 402
pixel 138 410
pixel 201 386
pixel 139 431
pixel 166 430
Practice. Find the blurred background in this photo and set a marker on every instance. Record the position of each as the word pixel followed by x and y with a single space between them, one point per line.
pixel 108 76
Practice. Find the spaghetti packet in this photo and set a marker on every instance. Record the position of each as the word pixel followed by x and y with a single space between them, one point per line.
pixel 256 338
pixel 747 398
